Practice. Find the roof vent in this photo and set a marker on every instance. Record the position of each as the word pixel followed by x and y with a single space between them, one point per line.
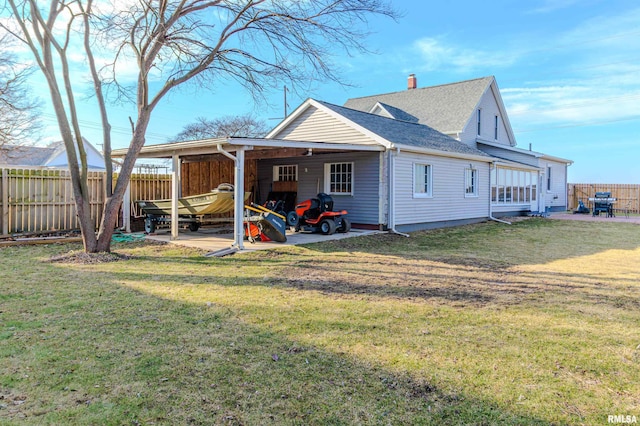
pixel 412 82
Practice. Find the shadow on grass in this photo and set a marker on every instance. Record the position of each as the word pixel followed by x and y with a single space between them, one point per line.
pixel 383 276
pixel 495 245
pixel 88 350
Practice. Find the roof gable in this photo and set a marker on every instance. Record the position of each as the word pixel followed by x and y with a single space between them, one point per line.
pixel 493 99
pixel 446 108
pixel 404 133
pixel 377 129
pixel 392 112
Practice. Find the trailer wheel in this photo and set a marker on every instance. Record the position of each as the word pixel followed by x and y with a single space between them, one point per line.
pixel 328 227
pixel 194 226
pixel 149 225
pixel 345 226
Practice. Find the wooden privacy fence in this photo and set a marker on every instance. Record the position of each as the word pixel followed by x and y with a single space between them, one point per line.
pixel 628 195
pixel 37 199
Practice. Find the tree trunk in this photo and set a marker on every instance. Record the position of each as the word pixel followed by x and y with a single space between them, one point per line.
pixel 113 204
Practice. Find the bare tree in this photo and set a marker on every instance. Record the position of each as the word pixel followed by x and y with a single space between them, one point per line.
pixel 238 126
pixel 259 43
pixel 18 107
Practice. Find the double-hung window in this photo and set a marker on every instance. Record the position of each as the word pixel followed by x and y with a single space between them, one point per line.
pixel 422 183
pixel 470 182
pixel 338 178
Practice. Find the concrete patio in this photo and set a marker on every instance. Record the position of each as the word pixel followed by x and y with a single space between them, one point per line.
pixel 213 239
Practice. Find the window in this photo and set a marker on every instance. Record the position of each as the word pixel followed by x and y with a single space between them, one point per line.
pixel 513 186
pixel 548 178
pixel 287 173
pixel 479 115
pixel 421 180
pixel 338 178
pixel 470 182
pixel 495 127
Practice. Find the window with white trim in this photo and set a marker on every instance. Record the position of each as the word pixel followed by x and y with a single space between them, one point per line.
pixel 338 178
pixel 478 121
pixel 470 182
pixel 548 178
pixel 422 180
pixel 509 186
pixel 285 173
pixel 495 127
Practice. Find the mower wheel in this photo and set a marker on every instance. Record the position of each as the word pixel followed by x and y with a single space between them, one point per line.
pixel 194 226
pixel 345 226
pixel 328 227
pixel 292 218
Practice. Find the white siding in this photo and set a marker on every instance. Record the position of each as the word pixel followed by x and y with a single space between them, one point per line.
pixel 556 197
pixel 489 107
pixel 315 125
pixel 448 202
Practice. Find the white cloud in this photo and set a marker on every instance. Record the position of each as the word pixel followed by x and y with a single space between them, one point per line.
pixel 594 77
pixel 436 54
pixel 547 6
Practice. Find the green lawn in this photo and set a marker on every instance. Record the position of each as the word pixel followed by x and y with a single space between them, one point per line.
pixel 533 323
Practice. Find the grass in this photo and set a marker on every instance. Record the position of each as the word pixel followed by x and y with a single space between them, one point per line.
pixel 534 323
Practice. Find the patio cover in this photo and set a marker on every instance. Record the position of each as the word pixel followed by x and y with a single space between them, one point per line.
pixel 236 149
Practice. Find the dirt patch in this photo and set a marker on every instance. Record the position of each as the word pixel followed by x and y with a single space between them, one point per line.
pixel 84 258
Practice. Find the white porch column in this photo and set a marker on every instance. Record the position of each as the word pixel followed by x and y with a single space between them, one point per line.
pixel 126 209
pixel 238 194
pixel 238 211
pixel 175 194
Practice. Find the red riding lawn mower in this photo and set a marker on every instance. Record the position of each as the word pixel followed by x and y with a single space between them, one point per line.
pixel 317 215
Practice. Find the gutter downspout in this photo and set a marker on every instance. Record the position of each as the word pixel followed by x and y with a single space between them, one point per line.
pixel 494 167
pixel 392 194
pixel 238 195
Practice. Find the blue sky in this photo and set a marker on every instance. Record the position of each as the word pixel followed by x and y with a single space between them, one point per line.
pixel 568 70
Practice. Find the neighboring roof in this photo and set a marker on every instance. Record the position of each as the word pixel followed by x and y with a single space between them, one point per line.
pixel 403 132
pixel 19 155
pixel 446 107
pixel 47 156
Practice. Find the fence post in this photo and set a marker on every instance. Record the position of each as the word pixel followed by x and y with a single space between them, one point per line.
pixel 5 202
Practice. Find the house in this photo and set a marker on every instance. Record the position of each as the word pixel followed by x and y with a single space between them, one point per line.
pixel 54 155
pixel 473 112
pixel 398 161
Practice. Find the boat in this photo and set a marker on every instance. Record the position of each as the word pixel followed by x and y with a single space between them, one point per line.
pixel 219 200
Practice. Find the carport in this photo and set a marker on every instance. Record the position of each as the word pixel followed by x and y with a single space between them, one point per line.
pixel 238 150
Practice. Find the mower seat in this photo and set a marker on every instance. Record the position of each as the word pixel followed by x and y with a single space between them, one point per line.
pixel 326 202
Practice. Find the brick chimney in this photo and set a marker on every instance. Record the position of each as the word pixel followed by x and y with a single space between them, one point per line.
pixel 412 82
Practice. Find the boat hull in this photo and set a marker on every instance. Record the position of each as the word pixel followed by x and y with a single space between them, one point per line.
pixel 196 205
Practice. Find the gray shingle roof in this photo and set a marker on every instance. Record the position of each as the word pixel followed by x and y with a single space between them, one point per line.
pixel 446 108
pixel 398 114
pixel 18 155
pixel 404 132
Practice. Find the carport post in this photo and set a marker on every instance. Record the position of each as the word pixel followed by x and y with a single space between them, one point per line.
pixel 238 211
pixel 175 194
pixel 238 194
